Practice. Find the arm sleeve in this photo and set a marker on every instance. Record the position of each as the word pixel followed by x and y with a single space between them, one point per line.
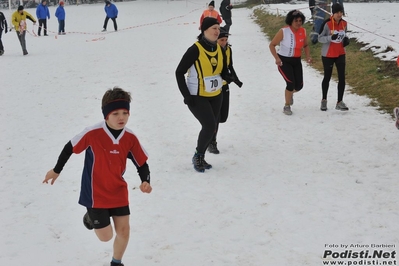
pixel 29 16
pixel 219 19
pixel 324 35
pixel 186 62
pixel 144 173
pixel 226 75
pixel 231 68
pixel 63 158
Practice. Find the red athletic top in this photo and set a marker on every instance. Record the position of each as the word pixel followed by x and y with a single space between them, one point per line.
pixel 103 185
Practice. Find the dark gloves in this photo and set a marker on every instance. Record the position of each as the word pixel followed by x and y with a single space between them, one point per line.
pixel 345 41
pixel 116 16
pixel 228 78
pixel 238 83
pixel 334 36
pixel 189 101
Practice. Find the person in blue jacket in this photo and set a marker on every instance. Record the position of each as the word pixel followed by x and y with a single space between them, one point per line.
pixel 112 13
pixel 60 15
pixel 42 14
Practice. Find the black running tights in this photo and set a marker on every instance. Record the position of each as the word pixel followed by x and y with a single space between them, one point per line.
pixel 328 64
pixel 206 110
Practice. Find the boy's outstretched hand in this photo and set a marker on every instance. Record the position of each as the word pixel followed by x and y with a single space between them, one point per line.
pixel 145 187
pixel 51 175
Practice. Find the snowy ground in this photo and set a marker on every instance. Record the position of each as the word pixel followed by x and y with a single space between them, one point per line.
pixel 281 191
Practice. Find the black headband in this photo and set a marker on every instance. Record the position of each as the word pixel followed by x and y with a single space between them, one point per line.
pixel 115 105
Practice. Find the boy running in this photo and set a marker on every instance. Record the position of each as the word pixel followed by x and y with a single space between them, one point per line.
pixel 104 190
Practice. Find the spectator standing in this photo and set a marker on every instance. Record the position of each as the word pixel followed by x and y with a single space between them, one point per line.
pixel 111 12
pixel 225 11
pixel 42 14
pixel 60 15
pixel 19 21
pixel 3 26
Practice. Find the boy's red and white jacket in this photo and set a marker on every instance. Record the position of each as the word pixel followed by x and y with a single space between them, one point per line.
pixel 332 48
pixel 103 184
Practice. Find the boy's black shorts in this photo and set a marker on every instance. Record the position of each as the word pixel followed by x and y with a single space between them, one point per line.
pixel 101 217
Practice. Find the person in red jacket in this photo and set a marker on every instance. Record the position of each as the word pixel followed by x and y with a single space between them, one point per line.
pixel 210 12
pixel 333 38
pixel 104 191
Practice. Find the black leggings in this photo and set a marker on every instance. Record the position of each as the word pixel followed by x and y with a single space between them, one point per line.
pixel 224 109
pixel 206 110
pixel 106 22
pixel 292 72
pixel 42 24
pixel 328 64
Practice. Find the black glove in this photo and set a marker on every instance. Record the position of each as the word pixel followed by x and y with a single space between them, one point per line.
pixel 345 41
pixel 116 16
pixel 228 78
pixel 334 36
pixel 189 101
pixel 238 83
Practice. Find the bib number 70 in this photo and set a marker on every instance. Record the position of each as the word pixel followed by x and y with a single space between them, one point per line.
pixel 213 83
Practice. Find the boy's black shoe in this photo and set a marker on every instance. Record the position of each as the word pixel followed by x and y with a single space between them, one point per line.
pixel 213 148
pixel 87 222
pixel 1 52
pixel 116 264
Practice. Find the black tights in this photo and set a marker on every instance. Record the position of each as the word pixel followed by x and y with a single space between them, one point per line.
pixel 113 20
pixel 328 64
pixel 206 110
pixel 224 109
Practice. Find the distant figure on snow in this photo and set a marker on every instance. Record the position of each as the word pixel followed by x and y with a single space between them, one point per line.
pixel 42 14
pixel 210 12
pixel 112 13
pixel 19 21
pixel 225 11
pixel 3 26
pixel 60 15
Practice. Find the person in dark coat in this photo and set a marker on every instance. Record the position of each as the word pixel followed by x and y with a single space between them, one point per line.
pixel 42 14
pixel 112 13
pixel 60 15
pixel 225 10
pixel 3 26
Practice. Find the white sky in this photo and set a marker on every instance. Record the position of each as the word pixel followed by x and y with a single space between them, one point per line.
pixel 280 190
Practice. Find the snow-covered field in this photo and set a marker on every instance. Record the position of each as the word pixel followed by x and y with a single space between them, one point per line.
pixel 282 192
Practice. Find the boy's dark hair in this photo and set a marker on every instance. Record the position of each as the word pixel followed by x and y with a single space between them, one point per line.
pixel 115 94
pixel 293 14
